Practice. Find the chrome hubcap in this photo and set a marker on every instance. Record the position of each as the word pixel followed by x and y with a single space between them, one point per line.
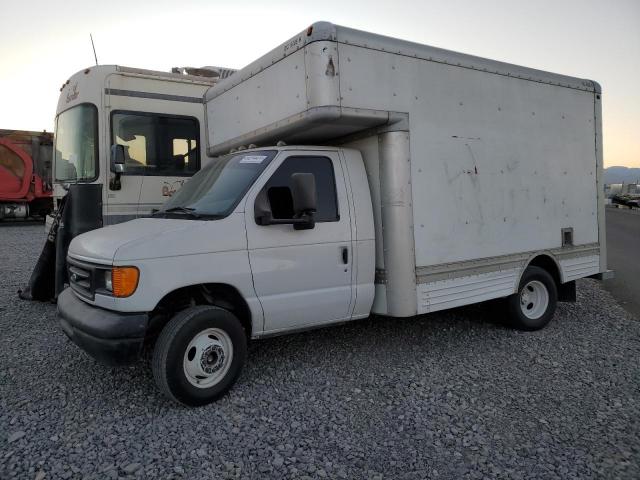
pixel 208 357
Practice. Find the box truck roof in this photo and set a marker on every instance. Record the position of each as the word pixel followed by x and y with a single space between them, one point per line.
pixel 328 31
pixel 329 82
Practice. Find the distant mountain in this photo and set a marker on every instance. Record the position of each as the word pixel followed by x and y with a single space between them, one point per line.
pixel 621 175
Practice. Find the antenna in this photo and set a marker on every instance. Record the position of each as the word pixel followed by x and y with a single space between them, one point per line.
pixel 94 49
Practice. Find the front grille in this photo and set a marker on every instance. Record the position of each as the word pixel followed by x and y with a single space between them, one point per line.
pixel 82 278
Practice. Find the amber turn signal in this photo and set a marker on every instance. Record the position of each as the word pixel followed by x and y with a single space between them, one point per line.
pixel 124 281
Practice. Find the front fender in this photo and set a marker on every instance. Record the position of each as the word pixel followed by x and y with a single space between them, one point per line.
pixel 160 276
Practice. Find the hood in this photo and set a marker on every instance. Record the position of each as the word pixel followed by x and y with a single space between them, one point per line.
pixel 146 238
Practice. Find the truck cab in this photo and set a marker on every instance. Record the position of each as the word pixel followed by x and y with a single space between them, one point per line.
pixel 282 238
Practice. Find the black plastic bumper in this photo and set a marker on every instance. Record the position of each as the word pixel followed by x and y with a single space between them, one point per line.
pixel 112 338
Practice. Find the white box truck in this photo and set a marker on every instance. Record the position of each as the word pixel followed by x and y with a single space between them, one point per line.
pixel 395 179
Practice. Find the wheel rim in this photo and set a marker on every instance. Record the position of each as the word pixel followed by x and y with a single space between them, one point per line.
pixel 534 299
pixel 208 357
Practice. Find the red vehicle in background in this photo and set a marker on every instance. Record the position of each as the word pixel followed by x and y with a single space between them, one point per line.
pixel 25 174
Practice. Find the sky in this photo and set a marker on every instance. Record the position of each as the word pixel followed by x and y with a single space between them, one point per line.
pixel 42 43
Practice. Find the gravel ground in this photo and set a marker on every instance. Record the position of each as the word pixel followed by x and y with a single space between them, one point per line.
pixel 449 395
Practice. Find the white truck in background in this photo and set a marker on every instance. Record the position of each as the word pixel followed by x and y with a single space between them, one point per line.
pixel 157 118
pixel 404 180
pixel 125 140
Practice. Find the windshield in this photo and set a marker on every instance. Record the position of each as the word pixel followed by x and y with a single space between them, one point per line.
pixel 216 189
pixel 76 150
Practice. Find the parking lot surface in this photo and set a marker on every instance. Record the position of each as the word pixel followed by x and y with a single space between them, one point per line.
pixel 623 257
pixel 447 395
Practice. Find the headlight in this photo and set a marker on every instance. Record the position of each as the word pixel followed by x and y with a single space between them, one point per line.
pixel 108 284
pixel 123 281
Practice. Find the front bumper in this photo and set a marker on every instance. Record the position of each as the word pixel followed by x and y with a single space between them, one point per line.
pixel 112 338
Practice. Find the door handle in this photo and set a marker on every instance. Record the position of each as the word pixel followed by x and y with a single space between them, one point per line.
pixel 345 255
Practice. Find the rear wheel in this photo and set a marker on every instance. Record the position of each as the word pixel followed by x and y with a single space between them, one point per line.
pixel 533 306
pixel 199 355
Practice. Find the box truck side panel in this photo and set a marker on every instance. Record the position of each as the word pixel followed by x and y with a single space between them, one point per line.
pixel 503 164
pixel 465 289
pixel 579 267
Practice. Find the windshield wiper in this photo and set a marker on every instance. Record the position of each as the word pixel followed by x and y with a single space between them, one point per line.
pixel 186 210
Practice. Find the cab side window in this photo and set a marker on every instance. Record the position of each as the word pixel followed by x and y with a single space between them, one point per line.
pixel 157 144
pixel 278 187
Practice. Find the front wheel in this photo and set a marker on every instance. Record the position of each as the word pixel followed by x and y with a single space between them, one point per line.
pixel 199 355
pixel 533 306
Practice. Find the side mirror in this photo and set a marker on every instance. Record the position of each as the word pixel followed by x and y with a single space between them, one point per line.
pixel 117 159
pixel 117 166
pixel 262 209
pixel 303 199
pixel 303 191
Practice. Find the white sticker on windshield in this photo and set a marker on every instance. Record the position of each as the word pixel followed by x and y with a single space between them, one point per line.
pixel 253 159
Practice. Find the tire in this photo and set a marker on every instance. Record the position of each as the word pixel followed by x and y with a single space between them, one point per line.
pixel 533 306
pixel 199 355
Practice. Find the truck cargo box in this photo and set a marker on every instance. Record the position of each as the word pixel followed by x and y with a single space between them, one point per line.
pixel 485 164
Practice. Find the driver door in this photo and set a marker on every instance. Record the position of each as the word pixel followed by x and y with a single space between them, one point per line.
pixel 302 277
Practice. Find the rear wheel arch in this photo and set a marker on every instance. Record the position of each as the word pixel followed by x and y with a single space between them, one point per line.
pixel 545 261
